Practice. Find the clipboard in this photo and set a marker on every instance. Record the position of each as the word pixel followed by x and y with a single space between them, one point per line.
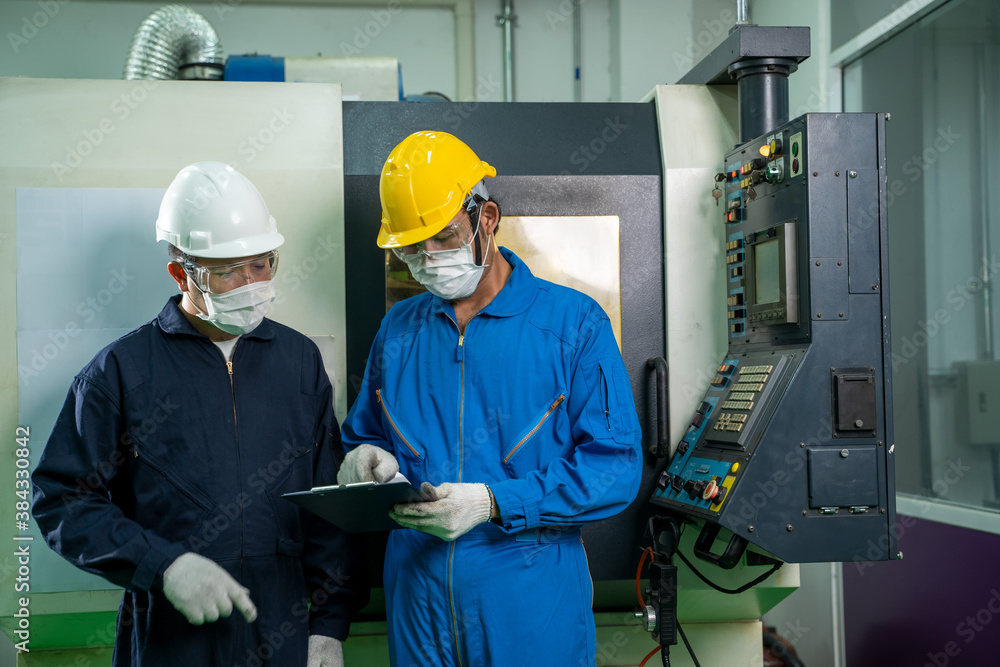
pixel 358 508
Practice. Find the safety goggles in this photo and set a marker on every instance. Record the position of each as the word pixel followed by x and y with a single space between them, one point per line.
pixel 222 278
pixel 456 235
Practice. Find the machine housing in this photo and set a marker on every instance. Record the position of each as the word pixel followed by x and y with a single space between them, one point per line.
pixel 791 448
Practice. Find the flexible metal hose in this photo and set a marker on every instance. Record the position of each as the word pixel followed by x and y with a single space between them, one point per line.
pixel 170 38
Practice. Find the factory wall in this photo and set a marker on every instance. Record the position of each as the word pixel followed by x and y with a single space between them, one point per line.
pixel 626 47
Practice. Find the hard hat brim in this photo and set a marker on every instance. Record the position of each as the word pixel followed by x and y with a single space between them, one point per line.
pixel 256 245
pixel 387 239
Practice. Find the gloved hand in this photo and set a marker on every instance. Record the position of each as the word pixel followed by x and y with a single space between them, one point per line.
pixel 203 591
pixel 451 511
pixel 367 463
pixel 325 652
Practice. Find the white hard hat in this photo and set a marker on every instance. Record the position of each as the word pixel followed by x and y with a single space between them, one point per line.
pixel 211 210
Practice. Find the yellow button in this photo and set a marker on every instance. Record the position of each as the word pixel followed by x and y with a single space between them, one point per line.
pixel 735 467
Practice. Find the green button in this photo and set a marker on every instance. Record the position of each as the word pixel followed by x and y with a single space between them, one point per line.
pixel 795 149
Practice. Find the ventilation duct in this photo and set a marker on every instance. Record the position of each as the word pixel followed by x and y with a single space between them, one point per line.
pixel 175 42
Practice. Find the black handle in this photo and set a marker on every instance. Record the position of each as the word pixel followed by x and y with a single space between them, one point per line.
pixel 727 560
pixel 662 446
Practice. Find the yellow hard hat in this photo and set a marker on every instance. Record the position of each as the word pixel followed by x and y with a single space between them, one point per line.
pixel 424 182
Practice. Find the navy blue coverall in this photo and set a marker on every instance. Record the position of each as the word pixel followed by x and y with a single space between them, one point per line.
pixel 163 448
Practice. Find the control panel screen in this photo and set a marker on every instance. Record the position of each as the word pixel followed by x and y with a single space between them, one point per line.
pixel 767 272
pixel 769 279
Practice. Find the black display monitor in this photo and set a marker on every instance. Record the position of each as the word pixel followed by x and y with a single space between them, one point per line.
pixel 770 276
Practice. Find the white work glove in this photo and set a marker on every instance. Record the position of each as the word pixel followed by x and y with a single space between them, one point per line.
pixel 203 591
pixel 325 652
pixel 367 463
pixel 451 511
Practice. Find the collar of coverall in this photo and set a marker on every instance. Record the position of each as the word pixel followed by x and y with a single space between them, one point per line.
pixel 513 299
pixel 172 321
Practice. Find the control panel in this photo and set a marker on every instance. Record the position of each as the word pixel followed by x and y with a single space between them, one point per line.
pixel 761 260
pixel 790 448
pixel 726 428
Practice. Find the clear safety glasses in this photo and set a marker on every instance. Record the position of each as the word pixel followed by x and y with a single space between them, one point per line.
pixel 222 278
pixel 452 237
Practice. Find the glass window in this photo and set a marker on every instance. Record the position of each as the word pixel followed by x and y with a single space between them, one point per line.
pixel 850 17
pixel 940 80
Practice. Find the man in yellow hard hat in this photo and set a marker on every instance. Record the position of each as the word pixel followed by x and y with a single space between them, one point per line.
pixel 505 397
pixel 164 470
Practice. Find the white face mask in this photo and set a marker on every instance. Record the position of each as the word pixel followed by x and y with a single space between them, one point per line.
pixel 449 274
pixel 240 310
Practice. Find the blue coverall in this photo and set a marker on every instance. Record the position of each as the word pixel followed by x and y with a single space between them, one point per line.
pixel 160 449
pixel 534 401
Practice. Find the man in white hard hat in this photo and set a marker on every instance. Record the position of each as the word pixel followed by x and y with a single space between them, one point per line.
pixel 165 468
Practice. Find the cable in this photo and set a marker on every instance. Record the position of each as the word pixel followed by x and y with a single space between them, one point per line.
pixel 688 644
pixel 649 655
pixel 734 591
pixel 648 551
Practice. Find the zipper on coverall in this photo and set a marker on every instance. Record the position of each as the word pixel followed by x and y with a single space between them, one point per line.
pixel 392 422
pixel 236 426
pixel 552 408
pixel 460 354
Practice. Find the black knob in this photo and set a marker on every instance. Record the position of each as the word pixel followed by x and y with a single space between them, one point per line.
pixel 664 481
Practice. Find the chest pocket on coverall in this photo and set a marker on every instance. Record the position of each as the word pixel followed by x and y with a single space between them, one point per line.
pixel 163 497
pixel 525 454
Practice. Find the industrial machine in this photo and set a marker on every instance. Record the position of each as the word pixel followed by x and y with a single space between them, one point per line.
pixel 790 448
